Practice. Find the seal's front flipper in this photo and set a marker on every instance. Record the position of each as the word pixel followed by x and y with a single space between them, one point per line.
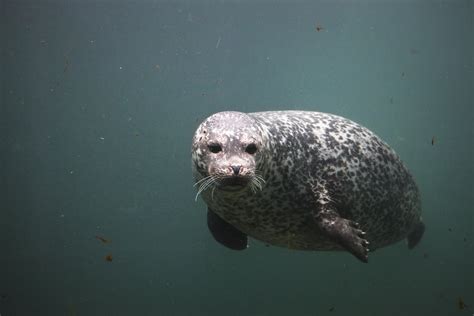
pixel 415 235
pixel 345 232
pixel 225 233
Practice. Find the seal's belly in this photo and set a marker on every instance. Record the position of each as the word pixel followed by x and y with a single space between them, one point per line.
pixel 277 224
pixel 287 221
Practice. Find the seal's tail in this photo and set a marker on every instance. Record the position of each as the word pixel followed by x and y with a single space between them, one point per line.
pixel 415 235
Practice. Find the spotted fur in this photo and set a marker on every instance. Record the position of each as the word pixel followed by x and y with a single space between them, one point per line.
pixel 308 160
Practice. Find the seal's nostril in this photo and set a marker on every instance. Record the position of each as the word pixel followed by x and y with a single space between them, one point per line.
pixel 236 169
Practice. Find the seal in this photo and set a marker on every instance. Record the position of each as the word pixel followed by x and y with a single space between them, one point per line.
pixel 303 180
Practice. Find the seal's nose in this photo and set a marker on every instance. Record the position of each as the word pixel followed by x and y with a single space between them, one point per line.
pixel 236 169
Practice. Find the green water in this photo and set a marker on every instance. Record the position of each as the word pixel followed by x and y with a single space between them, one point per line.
pixel 99 102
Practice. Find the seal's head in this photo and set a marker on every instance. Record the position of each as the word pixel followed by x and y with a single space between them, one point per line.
pixel 226 153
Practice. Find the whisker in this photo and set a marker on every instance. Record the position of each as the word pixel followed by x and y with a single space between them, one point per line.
pixel 259 181
pixel 253 187
pixel 205 184
pixel 203 179
pixel 259 177
pixel 256 184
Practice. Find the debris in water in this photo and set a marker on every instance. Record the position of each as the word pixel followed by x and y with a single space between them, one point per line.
pixel 102 239
pixel 108 258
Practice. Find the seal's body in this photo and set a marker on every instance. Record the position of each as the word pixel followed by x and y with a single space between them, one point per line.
pixel 303 180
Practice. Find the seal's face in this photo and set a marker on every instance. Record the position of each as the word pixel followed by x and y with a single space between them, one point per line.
pixel 226 152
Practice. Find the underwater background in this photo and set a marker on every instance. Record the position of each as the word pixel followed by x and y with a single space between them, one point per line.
pixel 100 100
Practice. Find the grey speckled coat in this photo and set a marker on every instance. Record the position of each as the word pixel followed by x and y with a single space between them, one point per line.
pixel 311 162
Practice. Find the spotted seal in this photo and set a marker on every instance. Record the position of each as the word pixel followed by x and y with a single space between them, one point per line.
pixel 303 180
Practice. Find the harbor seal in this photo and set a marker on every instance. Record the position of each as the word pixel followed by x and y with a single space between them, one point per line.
pixel 303 180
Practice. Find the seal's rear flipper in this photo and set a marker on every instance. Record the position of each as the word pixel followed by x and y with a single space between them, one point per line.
pixel 344 232
pixel 415 235
pixel 225 233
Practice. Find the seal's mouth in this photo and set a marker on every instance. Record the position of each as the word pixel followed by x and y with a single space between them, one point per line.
pixel 233 183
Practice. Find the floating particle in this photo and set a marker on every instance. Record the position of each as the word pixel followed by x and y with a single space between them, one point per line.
pixel 102 239
pixel 108 258
pixel 66 65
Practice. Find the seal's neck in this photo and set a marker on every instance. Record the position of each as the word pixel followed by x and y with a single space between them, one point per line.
pixel 218 196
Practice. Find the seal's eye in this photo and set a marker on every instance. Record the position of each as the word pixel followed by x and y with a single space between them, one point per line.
pixel 214 148
pixel 251 149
